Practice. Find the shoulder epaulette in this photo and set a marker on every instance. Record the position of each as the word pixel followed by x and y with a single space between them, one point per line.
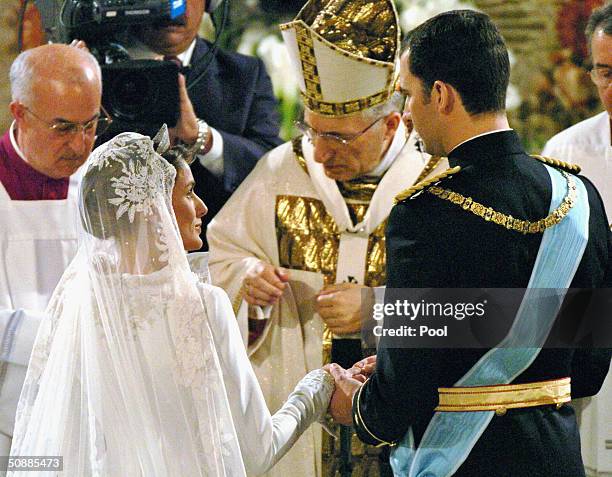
pixel 566 166
pixel 405 195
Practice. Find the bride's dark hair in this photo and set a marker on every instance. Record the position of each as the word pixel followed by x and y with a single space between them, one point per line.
pixel 95 192
pixel 179 156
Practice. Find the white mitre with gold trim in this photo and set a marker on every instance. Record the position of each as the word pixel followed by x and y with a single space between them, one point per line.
pixel 344 53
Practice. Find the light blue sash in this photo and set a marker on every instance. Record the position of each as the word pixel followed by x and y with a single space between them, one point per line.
pixel 450 436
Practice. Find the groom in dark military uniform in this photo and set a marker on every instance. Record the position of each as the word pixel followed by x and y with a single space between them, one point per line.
pixel 479 224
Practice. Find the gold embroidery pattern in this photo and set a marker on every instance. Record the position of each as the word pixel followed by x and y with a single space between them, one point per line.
pixel 375 275
pixel 309 62
pixel 389 66
pixel 344 109
pixel 308 239
pixel 296 145
pixel 507 221
pixel 307 236
pixel 238 299
pixel 364 28
pixel 359 190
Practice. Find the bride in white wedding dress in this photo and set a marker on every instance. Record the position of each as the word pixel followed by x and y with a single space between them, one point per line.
pixel 139 369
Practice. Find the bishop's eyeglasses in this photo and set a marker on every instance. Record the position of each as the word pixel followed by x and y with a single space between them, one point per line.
pixel 344 139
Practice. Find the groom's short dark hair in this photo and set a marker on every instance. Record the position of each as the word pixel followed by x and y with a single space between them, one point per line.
pixel 465 49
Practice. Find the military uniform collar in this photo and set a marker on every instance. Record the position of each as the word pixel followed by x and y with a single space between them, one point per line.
pixel 486 147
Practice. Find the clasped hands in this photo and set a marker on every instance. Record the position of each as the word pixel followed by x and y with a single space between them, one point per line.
pixel 339 305
pixel 348 382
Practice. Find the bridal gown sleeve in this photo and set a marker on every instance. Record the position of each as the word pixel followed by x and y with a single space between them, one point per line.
pixel 263 438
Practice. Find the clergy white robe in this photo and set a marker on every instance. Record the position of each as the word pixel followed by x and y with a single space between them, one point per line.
pixel 38 239
pixel 588 145
pixel 288 213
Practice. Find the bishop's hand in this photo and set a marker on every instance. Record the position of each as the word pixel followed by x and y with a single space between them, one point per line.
pixel 264 284
pixel 340 307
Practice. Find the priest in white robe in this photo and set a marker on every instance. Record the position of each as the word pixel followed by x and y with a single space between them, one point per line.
pixel 56 94
pixel 303 237
pixel 589 144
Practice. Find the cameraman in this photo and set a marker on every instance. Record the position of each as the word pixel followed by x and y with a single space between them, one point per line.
pixel 229 116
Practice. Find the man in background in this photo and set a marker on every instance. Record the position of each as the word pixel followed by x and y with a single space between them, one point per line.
pixel 589 144
pixel 56 93
pixel 229 117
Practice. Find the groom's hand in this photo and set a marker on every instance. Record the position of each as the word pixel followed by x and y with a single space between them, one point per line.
pixel 264 284
pixel 341 404
pixel 363 369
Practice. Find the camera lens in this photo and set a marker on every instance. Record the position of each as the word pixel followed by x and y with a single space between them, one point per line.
pixel 141 95
pixel 131 95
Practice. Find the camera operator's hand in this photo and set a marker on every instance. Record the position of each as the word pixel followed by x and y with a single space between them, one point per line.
pixel 186 128
pixel 80 44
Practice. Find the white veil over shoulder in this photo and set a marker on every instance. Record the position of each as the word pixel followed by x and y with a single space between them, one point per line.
pixel 124 379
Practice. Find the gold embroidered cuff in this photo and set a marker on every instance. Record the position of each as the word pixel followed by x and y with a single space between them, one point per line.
pixel 502 397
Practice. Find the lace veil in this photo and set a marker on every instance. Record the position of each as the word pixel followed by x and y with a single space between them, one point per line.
pixel 124 379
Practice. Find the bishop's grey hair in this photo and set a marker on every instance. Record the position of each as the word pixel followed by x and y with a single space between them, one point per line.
pixel 393 105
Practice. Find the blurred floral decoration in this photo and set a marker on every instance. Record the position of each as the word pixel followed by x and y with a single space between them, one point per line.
pixel 32 36
pixel 557 91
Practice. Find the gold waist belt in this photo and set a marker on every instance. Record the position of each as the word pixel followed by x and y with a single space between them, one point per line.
pixel 500 398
